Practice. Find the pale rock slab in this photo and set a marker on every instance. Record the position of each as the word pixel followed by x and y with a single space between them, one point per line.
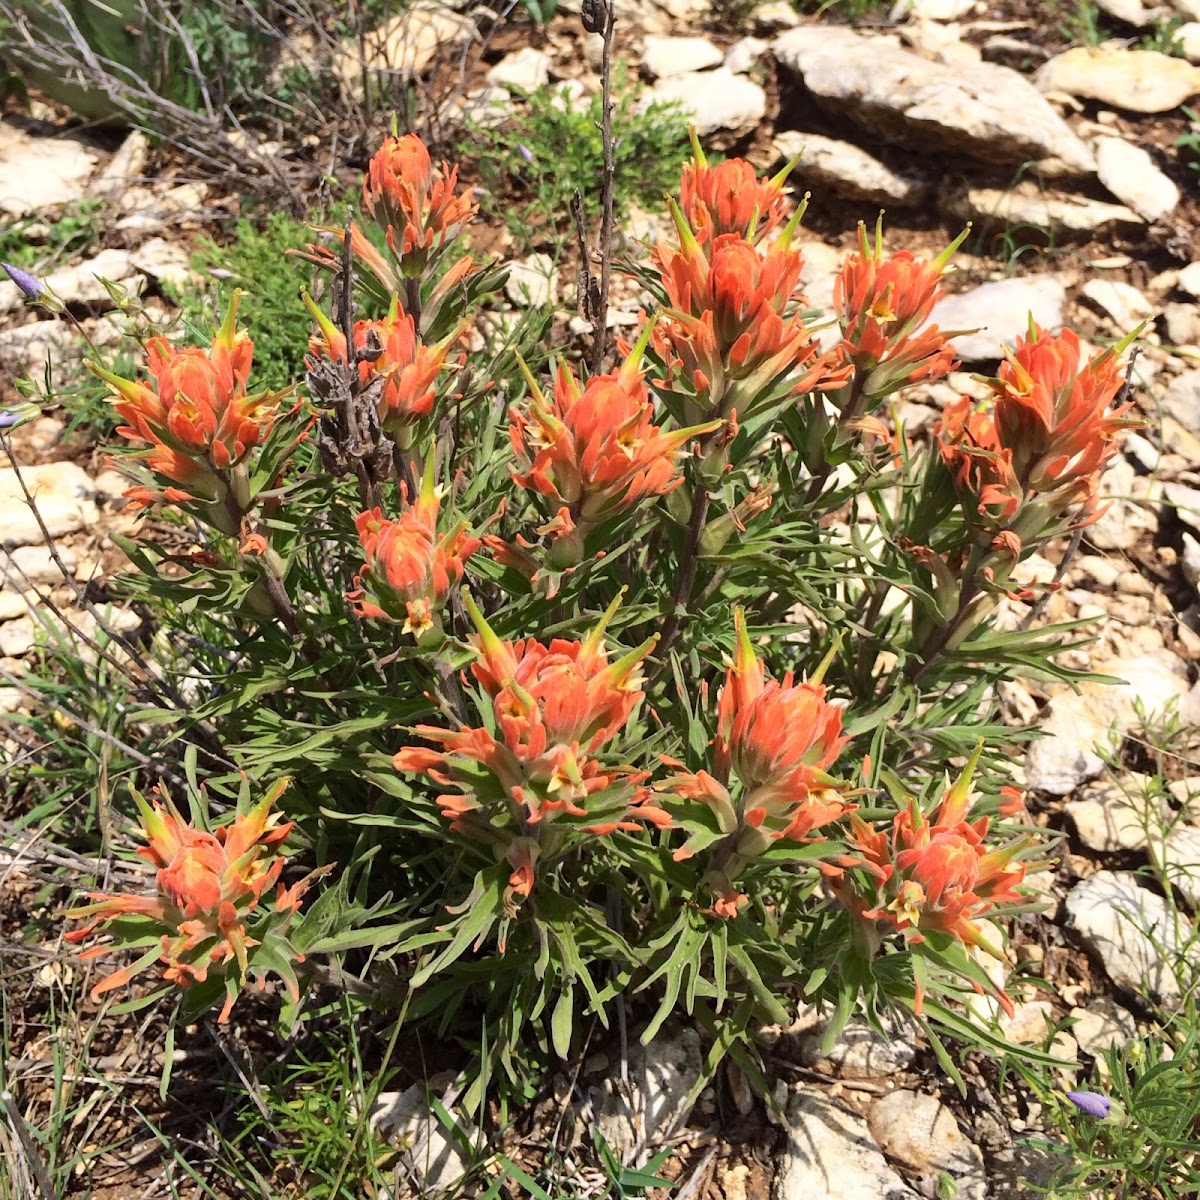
pixel 1124 924
pixel 17 637
pixel 532 282
pixel 1027 204
pixel 921 1134
pixel 999 314
pixel 940 43
pixel 12 604
pixel 1102 1025
pixel 1178 858
pixel 1186 503
pixel 860 1052
pixel 81 284
pixel 1189 8
pixel 63 494
pixel 168 262
pixel 408 1118
pixel 1188 37
pixel 1111 816
pixel 40 172
pixel 830 1154
pixel 1132 12
pixel 1131 514
pixel 932 10
pixel 846 170
pixel 40 343
pixel 124 169
pixel 35 564
pixel 407 44
pixel 1144 81
pixel 1188 280
pixel 745 54
pixel 980 109
pixel 1121 301
pixel 716 99
pixel 1132 175
pixel 1181 400
pixel 527 69
pixel 1182 323
pixel 1190 559
pixel 666 57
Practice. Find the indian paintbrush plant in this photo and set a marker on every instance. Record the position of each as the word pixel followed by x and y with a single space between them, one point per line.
pixel 669 686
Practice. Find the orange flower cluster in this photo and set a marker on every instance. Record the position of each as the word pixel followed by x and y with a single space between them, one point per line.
pixel 198 420
pixel 551 709
pixel 883 305
pixel 388 350
pixel 734 331
pixel 209 898
pixel 418 211
pixel 594 452
pixel 409 570
pixel 934 872
pixel 777 740
pixel 1033 457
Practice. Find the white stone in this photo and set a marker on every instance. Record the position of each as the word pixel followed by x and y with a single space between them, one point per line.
pixel 1131 174
pixel 1102 1025
pixel 999 313
pixel 1110 816
pixel 1027 204
pixel 940 43
pixel 111 485
pixel 1030 1023
pixel 407 1118
pixel 661 1076
pixel 776 14
pixel 12 604
pixel 716 99
pixel 1189 8
pixel 1182 322
pixel 1144 81
pixel 1188 37
pixel 40 343
pixel 665 57
pixel 63 494
pixel 1121 301
pixel 745 54
pixel 1132 12
pixel 1190 559
pixel 1188 279
pixel 980 109
pixel 406 44
pixel 80 284
pixel 1186 503
pixel 17 637
pixel 1126 924
pixel 921 1134
pixel 932 10
pixel 846 170
pixel 124 169
pixel 35 564
pixel 860 1052
pixel 488 107
pixel 1177 856
pixel 1130 515
pixel 1181 400
pixel 532 282
pixel 168 262
pixel 37 173
pixel 830 1156
pixel 526 69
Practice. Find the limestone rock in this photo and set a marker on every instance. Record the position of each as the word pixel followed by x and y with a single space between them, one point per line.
pixel 1188 280
pixel 532 282
pixel 665 57
pixel 526 69
pixel 17 637
pixel 31 347
pixel 40 172
pixel 1125 925
pixel 1186 503
pixel 12 604
pixel 1130 515
pixel 921 1134
pixel 1111 816
pixel 716 99
pixel 168 262
pixel 846 170
pixel 830 1154
pixel 933 10
pixel 1103 1024
pixel 1027 204
pixel 745 54
pixel 1132 12
pixel 124 169
pixel 1132 175
pixel 861 1052
pixel 980 109
pixel 1121 301
pixel 1178 858
pixel 81 284
pixel 1189 560
pixel 1144 81
pixel 409 1119
pixel 35 564
pixel 407 43
pixel 1181 400
pixel 63 494
pixel 1188 37
pixel 1000 313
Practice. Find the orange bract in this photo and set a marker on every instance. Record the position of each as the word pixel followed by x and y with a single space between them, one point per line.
pixel 409 570
pixel 209 889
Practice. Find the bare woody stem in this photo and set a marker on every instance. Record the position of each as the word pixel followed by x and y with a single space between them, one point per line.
pixel 600 327
pixel 274 585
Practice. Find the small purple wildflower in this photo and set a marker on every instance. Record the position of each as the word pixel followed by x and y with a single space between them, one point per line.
pixel 1092 1103
pixel 8 417
pixel 30 285
pixel 525 152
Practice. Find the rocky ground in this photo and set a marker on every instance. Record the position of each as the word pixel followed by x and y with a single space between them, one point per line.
pixel 1084 210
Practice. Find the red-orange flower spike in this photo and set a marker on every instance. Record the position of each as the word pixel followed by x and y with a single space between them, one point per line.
pixel 409 569
pixel 407 367
pixel 730 197
pixel 208 905
pixel 553 708
pixel 1035 454
pixel 418 211
pixel 773 748
pixel 198 419
pixel 937 872
pixel 594 452
pixel 884 305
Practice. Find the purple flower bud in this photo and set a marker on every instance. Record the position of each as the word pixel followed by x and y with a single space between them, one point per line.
pixel 1092 1103
pixel 525 152
pixel 8 417
pixel 29 284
